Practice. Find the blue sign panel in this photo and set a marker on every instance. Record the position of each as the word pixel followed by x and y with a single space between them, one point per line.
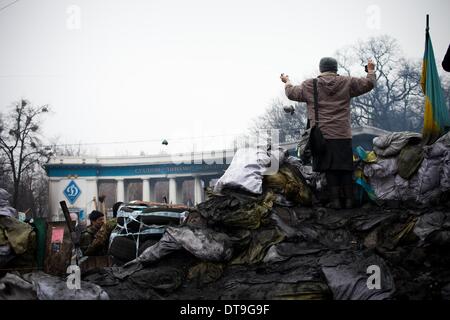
pixel 72 191
pixel 61 170
pixel 81 215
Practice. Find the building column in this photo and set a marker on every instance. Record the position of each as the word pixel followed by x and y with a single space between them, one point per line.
pixel 55 185
pixel 180 192
pixel 172 191
pixel 92 188
pixel 120 192
pixel 146 189
pixel 207 181
pixel 92 192
pixel 151 189
pixel 198 190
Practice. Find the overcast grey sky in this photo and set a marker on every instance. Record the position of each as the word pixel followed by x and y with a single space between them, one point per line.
pixel 147 70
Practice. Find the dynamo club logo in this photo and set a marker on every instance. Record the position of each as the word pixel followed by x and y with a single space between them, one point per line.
pixel 72 192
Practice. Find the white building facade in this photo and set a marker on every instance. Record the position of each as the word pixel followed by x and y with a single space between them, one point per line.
pixel 78 180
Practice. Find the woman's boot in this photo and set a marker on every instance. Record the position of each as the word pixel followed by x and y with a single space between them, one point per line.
pixel 348 193
pixel 335 201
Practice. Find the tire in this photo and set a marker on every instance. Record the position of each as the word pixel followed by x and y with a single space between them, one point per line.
pixel 123 249
pixel 145 245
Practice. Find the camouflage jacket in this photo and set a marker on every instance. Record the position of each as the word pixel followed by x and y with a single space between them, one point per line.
pixel 95 243
pixel 86 239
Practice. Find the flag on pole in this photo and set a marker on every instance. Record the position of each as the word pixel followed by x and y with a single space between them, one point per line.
pixel 436 120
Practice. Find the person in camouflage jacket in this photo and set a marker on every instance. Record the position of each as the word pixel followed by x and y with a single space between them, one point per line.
pixel 91 237
pixel 100 242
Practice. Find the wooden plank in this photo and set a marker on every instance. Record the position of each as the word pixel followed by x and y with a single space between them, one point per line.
pixel 57 254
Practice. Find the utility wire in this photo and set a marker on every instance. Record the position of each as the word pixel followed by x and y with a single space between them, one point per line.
pixel 8 5
pixel 138 141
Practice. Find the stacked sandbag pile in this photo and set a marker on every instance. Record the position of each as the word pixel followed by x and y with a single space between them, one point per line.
pixel 262 239
pixel 406 170
pixel 273 245
pixel 17 238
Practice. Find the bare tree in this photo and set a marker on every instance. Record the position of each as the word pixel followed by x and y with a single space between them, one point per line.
pixel 396 102
pixel 67 150
pixel 20 143
pixel 5 179
pixel 34 192
pixel 289 126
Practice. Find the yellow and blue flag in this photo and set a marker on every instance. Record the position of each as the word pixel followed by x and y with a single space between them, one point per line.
pixel 436 120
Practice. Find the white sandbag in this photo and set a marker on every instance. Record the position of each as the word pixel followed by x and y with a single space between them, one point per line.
pixel 384 188
pixel 436 150
pixel 417 190
pixel 405 191
pixel 247 169
pixel 445 172
pixel 46 287
pixel 382 168
pixel 428 175
pixel 391 144
pixel 445 139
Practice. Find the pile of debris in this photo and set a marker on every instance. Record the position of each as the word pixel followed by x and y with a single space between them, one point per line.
pixel 304 253
pixel 258 237
pixel 264 236
pixel 404 170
